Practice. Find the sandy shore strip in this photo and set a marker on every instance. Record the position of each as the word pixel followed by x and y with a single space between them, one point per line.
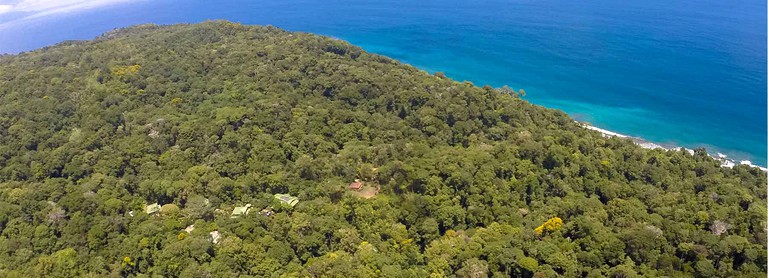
pixel 603 131
pixel 724 161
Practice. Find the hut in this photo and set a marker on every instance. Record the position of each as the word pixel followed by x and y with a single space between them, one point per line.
pixel 240 211
pixel 287 199
pixel 357 185
pixel 150 209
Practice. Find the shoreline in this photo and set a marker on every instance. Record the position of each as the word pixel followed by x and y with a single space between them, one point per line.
pixel 724 161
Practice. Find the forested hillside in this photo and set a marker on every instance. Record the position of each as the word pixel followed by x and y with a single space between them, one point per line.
pixel 455 180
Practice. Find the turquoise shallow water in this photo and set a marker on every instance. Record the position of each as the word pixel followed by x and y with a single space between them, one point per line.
pixel 687 73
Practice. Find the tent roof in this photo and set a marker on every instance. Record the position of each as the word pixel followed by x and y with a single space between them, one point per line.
pixel 287 199
pixel 241 210
pixel 152 208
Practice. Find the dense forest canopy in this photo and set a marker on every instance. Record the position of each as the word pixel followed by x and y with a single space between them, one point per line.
pixel 127 156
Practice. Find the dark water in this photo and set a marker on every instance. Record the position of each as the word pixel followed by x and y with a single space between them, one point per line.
pixel 688 73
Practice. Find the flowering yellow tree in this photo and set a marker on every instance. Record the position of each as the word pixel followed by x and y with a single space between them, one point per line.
pixel 125 70
pixel 553 224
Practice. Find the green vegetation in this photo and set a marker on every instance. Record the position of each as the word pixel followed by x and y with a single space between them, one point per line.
pixel 470 181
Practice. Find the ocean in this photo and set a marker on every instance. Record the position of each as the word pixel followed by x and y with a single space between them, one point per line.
pixel 674 72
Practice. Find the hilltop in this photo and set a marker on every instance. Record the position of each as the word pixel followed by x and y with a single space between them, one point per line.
pixel 223 150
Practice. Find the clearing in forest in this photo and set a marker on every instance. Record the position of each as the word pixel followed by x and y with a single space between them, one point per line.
pixel 367 191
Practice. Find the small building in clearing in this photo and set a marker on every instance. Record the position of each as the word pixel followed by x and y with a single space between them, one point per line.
pixel 357 185
pixel 287 199
pixel 240 211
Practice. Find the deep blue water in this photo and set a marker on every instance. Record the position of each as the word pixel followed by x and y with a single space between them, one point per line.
pixel 681 72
